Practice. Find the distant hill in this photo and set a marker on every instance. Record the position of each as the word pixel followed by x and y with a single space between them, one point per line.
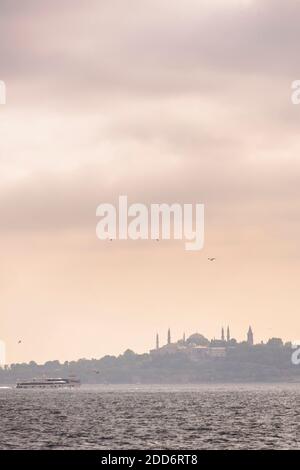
pixel 243 363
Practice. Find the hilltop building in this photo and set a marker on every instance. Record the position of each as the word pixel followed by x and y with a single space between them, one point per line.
pixel 250 336
pixel 157 341
pixel 197 347
pixel 228 334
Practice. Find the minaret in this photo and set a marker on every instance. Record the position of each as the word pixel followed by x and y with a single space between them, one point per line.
pixel 222 334
pixel 157 341
pixel 169 336
pixel 250 336
pixel 183 338
pixel 228 334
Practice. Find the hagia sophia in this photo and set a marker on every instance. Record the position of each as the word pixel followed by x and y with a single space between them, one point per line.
pixel 198 347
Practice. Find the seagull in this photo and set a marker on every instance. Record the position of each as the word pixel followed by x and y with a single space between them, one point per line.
pixel 211 259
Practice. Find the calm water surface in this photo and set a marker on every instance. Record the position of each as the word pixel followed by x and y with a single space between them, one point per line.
pixel 152 417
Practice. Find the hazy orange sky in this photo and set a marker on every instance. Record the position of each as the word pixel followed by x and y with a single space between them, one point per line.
pixel 166 102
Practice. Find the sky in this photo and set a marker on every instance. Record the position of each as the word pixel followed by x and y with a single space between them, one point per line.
pixel 163 101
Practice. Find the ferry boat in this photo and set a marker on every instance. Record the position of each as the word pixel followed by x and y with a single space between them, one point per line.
pixel 70 382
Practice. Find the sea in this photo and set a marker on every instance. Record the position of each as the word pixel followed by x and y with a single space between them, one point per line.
pixel 158 417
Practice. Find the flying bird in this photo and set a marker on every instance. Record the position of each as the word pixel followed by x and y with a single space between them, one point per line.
pixel 211 259
pixel 19 342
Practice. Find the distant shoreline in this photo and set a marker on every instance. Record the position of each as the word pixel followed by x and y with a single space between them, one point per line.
pixel 175 385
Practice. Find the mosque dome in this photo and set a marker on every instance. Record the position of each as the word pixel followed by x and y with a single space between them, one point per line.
pixel 198 340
